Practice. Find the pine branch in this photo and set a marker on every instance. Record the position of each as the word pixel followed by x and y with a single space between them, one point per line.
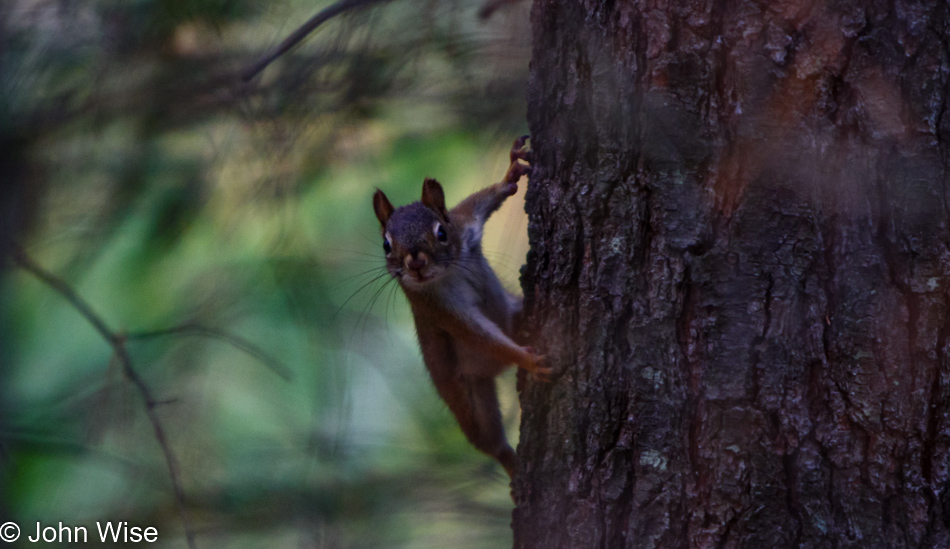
pixel 193 328
pixel 303 31
pixel 117 341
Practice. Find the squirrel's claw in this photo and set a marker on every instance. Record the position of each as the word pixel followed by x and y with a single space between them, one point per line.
pixel 542 373
pixel 515 171
pixel 518 150
pixel 538 372
pixel 518 153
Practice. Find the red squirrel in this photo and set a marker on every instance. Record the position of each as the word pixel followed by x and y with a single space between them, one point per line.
pixel 464 317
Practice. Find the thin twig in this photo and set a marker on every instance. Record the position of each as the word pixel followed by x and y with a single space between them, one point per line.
pixel 193 328
pixel 302 32
pixel 117 342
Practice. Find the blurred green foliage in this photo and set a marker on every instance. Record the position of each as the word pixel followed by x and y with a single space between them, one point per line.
pixel 226 230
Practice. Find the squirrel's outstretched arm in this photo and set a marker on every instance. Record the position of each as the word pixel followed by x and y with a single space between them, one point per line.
pixel 479 206
pixel 473 327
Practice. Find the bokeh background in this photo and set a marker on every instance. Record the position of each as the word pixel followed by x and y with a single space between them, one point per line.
pixel 223 231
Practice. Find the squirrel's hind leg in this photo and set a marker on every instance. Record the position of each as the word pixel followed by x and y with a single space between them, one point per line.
pixel 474 404
pixel 490 436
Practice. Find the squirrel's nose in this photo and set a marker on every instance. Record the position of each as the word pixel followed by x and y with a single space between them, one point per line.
pixel 416 263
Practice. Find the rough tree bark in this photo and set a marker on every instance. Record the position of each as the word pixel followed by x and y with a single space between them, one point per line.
pixel 739 269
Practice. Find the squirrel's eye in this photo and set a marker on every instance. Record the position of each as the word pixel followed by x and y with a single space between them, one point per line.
pixel 387 247
pixel 440 232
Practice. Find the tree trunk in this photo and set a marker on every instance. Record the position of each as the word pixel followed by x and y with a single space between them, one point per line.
pixel 739 271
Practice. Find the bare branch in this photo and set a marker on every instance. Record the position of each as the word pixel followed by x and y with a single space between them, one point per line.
pixel 302 32
pixel 193 328
pixel 61 287
pixel 117 342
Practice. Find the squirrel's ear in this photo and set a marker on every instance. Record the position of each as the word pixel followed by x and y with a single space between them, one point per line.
pixel 383 208
pixel 433 197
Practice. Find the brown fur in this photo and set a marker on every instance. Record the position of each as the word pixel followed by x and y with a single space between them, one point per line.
pixel 464 317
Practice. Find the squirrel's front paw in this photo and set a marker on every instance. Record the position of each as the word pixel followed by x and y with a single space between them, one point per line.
pixel 534 365
pixel 542 373
pixel 515 171
pixel 518 150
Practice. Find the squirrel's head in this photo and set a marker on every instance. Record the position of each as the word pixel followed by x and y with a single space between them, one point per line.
pixel 420 242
